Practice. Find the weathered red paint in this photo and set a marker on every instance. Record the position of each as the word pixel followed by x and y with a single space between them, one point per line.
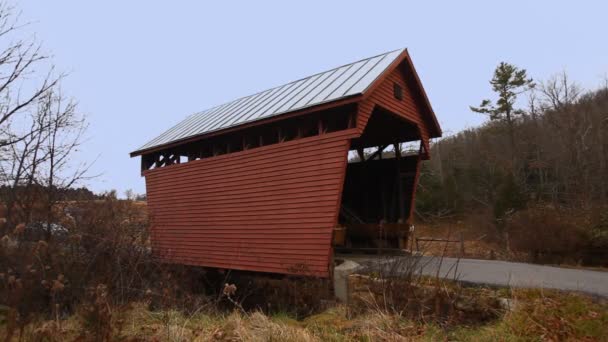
pixel 269 209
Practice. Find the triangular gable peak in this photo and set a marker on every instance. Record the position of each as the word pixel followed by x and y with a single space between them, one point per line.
pixel 413 106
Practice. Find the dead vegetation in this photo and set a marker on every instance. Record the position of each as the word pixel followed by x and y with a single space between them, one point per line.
pixel 102 283
pixel 543 233
pixel 537 316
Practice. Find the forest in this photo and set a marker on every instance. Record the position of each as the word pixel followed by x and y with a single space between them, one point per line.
pixel 534 178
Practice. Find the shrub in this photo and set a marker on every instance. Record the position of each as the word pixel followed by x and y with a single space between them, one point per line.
pixel 104 261
pixel 548 235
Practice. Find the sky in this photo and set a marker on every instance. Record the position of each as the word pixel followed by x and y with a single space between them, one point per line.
pixel 137 68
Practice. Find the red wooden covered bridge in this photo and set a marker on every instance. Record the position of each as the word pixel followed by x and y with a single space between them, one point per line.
pixel 277 181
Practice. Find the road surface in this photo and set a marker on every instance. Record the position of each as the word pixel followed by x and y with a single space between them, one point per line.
pixel 502 273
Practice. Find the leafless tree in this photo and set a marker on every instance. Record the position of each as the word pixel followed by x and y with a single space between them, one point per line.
pixel 66 127
pixel 40 128
pixel 559 91
pixel 25 76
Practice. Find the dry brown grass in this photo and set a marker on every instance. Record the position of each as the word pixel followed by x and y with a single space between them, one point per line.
pixel 536 316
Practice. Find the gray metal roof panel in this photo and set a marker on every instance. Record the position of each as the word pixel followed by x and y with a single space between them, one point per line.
pixel 374 73
pixel 296 96
pixel 344 81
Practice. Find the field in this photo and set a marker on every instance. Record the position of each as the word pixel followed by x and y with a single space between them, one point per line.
pixel 101 283
pixel 537 315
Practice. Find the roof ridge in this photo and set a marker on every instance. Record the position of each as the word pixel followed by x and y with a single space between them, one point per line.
pixel 299 79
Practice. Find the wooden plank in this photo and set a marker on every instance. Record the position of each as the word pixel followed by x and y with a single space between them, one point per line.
pixel 229 204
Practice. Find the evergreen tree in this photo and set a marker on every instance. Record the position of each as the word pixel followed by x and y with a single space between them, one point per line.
pixel 508 82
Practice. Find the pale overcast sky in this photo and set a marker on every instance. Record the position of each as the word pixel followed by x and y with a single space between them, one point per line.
pixel 138 67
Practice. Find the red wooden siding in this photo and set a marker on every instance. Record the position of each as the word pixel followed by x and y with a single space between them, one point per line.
pixel 268 209
pixel 383 96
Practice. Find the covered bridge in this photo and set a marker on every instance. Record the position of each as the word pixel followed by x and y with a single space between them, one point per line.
pixel 275 181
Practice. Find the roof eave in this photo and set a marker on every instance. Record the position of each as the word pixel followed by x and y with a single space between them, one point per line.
pixel 321 106
pixel 436 127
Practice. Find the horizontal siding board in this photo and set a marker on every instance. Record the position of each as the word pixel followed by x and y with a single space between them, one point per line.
pixel 324 186
pixel 303 201
pixel 319 141
pixel 268 214
pixel 299 168
pixel 234 261
pixel 326 178
pixel 267 209
pixel 214 163
pixel 269 256
pixel 202 245
pixel 235 258
pixel 260 221
pixel 249 248
pixel 244 228
pixel 302 207
pixel 251 260
pixel 306 192
pixel 185 224
pixel 257 164
pixel 269 267
pixel 231 237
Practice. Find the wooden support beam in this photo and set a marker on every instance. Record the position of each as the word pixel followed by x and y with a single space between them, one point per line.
pixel 378 152
pixel 159 162
pixel 322 128
pixel 400 185
pixel 384 200
pixel 351 120
pixel 280 136
pixel 173 159
pixel 397 147
pixel 361 154
pixel 146 162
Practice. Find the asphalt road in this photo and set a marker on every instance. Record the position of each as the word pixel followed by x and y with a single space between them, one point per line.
pixel 503 273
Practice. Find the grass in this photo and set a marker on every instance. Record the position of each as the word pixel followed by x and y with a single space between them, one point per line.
pixel 537 316
pixel 544 315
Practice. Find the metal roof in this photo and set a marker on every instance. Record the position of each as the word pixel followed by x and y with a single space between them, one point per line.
pixel 332 85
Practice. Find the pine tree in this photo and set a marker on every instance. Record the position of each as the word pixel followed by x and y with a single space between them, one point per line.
pixel 508 82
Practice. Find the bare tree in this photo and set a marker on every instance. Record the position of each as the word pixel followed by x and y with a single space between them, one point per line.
pixel 559 91
pixel 18 169
pixel 40 129
pixel 22 82
pixel 64 137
